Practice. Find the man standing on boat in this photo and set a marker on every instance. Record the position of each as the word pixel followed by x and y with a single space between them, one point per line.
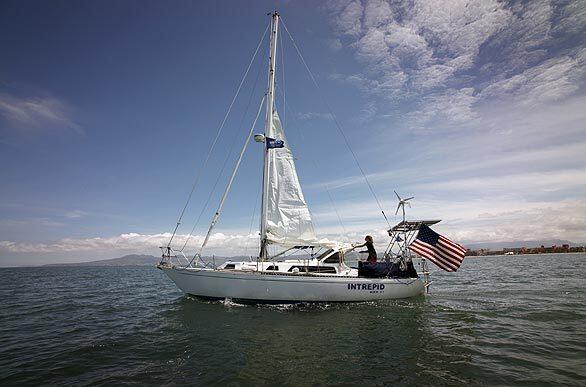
pixel 369 243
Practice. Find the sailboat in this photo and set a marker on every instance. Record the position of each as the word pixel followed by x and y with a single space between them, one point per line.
pixel 306 269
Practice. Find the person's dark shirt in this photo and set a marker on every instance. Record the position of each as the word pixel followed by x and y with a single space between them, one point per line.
pixel 370 248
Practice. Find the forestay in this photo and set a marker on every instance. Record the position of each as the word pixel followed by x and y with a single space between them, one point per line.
pixel 287 216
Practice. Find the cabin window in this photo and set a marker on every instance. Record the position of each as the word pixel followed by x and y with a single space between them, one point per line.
pixel 275 268
pixel 324 254
pixel 230 266
pixel 335 258
pixel 315 269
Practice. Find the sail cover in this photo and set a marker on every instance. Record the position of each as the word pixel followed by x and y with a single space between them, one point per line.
pixel 288 218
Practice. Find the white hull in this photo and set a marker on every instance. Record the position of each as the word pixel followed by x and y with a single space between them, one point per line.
pixel 283 288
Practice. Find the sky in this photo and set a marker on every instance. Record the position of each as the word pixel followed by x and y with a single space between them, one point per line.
pixel 108 109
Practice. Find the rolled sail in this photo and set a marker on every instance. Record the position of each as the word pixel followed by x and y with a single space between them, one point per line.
pixel 288 218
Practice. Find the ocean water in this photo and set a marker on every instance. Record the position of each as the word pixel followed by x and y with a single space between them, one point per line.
pixel 498 321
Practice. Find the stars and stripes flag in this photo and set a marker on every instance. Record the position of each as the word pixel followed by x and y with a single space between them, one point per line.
pixel 446 254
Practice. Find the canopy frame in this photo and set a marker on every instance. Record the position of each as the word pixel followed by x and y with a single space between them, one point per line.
pixel 402 234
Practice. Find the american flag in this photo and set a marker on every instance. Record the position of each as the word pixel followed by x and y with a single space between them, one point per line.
pixel 440 250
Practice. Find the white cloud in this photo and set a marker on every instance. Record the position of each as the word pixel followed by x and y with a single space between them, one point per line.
pixel 453 105
pixel 377 13
pixel 491 219
pixel 522 43
pixel 348 17
pixel 334 44
pixel 37 112
pixel 442 35
pixel 75 214
pixel 524 168
pixel 313 116
pixel 534 182
pixel 551 80
pixel 501 218
pixel 526 142
pixel 135 242
pixel 413 180
pixel 36 221
pixel 572 19
pixel 443 59
pixel 563 220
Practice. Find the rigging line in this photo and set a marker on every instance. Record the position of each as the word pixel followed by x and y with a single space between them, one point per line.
pixel 225 162
pixel 331 199
pixel 252 219
pixel 282 74
pixel 337 123
pixel 217 137
pixel 230 181
pixel 209 198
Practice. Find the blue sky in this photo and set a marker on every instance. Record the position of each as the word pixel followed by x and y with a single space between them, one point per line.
pixel 108 108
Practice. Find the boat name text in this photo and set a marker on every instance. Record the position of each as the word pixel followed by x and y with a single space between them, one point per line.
pixel 369 287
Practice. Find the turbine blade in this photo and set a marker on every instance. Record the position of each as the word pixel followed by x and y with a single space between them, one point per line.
pixel 397 211
pixel 398 197
pixel 412 197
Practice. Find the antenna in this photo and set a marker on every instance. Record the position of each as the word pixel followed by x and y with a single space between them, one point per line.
pixel 402 203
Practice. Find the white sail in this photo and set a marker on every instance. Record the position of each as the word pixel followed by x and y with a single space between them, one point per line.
pixel 287 216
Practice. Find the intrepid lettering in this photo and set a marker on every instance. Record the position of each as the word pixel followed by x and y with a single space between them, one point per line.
pixel 369 287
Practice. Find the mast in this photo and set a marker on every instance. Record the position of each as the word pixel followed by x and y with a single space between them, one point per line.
pixel 268 123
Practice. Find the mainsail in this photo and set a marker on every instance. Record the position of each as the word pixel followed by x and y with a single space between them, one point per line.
pixel 288 221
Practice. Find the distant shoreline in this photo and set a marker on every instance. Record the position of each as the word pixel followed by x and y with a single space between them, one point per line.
pixel 150 260
pixel 519 255
pixel 564 249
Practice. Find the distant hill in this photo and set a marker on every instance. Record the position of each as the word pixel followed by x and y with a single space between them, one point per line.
pixel 141 260
pixel 127 260
pixel 502 245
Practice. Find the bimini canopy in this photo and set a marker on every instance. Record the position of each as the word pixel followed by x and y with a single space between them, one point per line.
pixel 411 225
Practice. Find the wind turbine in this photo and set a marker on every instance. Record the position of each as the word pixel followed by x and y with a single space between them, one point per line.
pixel 402 203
